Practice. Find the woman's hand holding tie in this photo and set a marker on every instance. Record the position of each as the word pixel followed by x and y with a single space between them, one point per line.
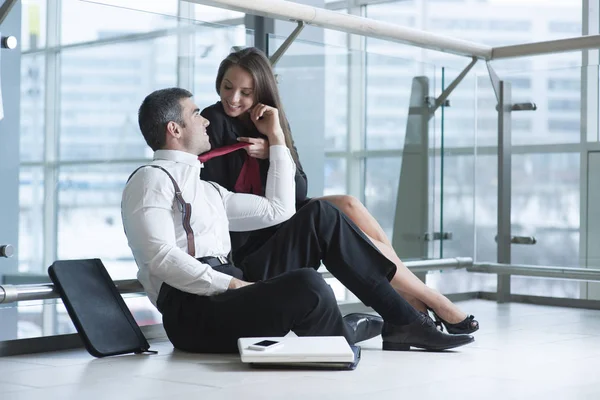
pixel 266 120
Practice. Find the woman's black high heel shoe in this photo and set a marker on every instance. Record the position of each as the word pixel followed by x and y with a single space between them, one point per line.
pixel 467 325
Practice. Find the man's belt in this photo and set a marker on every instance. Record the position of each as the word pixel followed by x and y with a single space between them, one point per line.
pixel 214 261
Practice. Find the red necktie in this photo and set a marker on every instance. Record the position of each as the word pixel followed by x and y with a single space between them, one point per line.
pixel 249 179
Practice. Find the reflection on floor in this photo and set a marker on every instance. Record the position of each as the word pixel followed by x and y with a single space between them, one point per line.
pixel 522 351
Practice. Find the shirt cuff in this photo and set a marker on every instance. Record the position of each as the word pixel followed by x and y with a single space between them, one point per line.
pixel 220 281
pixel 279 152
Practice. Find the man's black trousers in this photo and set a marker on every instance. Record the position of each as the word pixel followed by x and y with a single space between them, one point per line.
pixel 288 294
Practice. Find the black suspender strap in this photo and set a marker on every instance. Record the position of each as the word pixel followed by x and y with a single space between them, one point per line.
pixel 186 209
pixel 216 188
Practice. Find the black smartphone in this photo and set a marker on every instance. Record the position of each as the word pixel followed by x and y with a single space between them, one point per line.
pixel 265 345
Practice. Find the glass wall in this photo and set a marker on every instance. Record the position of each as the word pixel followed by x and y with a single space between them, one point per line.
pixel 79 139
pixel 546 143
pixel 389 101
pixel 86 67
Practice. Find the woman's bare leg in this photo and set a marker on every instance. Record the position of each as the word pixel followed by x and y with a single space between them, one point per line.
pixel 411 288
pixel 359 214
pixel 408 285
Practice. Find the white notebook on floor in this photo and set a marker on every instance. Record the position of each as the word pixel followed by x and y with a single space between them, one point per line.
pixel 305 351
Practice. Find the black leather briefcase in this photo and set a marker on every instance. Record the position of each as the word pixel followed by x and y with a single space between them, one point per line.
pixel 96 308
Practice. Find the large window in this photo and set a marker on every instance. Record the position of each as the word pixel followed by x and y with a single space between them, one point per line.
pixel 85 21
pixel 79 137
pixel 548 207
pixel 83 79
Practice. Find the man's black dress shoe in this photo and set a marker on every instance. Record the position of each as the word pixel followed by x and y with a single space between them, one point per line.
pixel 364 326
pixel 422 334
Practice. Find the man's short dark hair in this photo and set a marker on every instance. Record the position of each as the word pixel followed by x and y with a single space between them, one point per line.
pixel 157 110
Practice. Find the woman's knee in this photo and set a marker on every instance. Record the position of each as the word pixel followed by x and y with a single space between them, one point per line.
pixel 345 203
pixel 322 208
pixel 349 205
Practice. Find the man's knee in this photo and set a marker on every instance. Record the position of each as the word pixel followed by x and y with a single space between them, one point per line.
pixel 309 277
pixel 312 284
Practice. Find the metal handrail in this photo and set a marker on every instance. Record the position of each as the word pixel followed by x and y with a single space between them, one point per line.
pixel 44 291
pixel 583 274
pixel 546 47
pixel 288 10
pixel 424 266
pixel 15 293
pixel 5 9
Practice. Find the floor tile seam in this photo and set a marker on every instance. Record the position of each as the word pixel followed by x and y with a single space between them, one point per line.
pixel 146 377
pixel 100 381
pixel 27 362
pixel 18 384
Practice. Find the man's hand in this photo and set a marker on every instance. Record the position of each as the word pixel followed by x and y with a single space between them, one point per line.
pixel 237 283
pixel 258 149
pixel 266 120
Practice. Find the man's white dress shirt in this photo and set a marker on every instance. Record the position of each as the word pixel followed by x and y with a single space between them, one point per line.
pixel 153 221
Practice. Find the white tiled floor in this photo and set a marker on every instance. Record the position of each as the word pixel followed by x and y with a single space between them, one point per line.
pixel 521 352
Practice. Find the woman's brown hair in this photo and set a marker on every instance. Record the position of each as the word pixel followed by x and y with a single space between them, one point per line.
pixel 259 67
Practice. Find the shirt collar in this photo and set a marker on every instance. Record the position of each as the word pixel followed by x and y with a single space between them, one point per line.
pixel 178 156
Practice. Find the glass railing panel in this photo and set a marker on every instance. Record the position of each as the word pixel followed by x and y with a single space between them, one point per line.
pixel 475 164
pixel 546 146
pixel 545 204
pixel 590 237
pixel 397 86
pixel 455 168
pixel 388 86
pixel 328 76
pixel 313 84
pixel 381 189
pixel 546 176
pixel 486 171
